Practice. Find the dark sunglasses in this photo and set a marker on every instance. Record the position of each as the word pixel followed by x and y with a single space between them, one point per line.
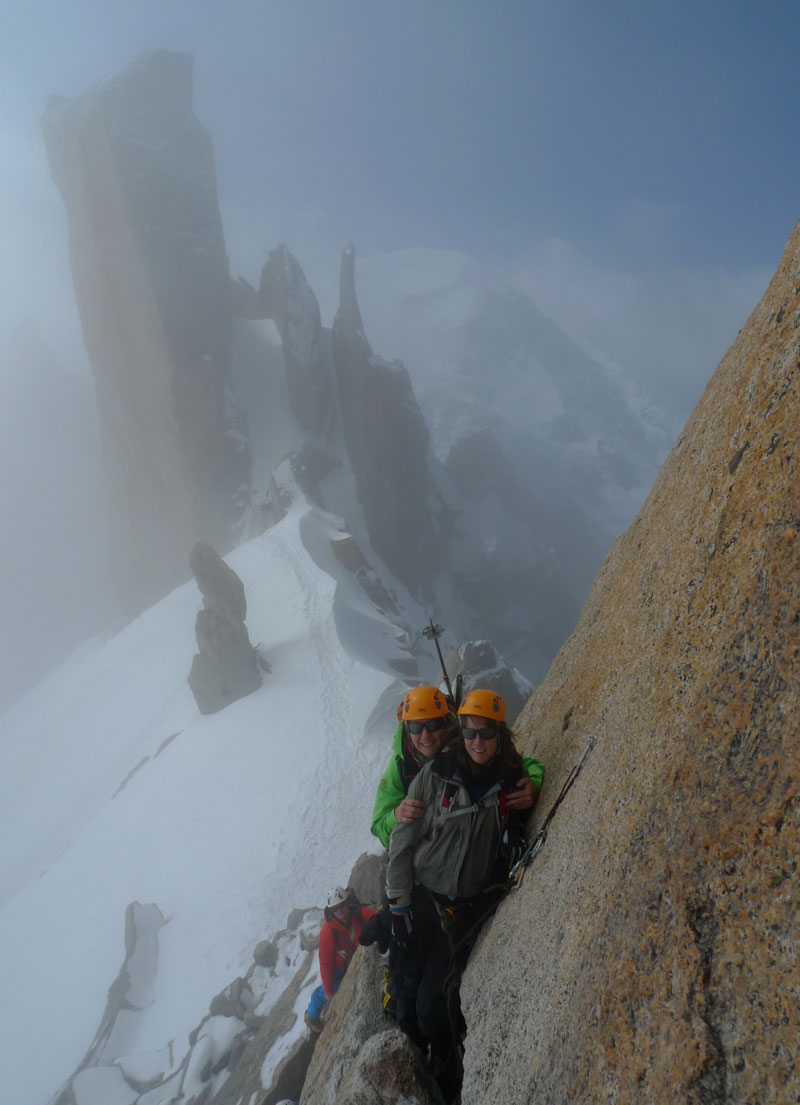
pixel 484 734
pixel 433 725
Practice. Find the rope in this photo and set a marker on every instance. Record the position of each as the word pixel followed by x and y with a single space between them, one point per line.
pixel 517 872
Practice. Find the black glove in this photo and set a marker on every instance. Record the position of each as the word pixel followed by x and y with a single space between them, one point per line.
pixel 378 928
pixel 402 924
pixel 369 933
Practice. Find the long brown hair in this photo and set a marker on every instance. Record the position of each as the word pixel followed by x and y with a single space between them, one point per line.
pixel 507 764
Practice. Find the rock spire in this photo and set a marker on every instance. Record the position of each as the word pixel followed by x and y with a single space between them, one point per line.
pixel 136 172
pixel 387 442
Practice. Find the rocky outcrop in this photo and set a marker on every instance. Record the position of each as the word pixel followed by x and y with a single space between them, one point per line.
pixel 361 1059
pixel 285 296
pixel 650 954
pixel 387 442
pixel 136 172
pixel 368 878
pixel 386 1071
pixel 479 664
pixel 227 667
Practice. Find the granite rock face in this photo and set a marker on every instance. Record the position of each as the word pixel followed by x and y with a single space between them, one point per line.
pixel 387 442
pixel 136 172
pixel 388 1071
pixel 651 952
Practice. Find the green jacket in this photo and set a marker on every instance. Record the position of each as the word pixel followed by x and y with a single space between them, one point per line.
pixel 453 849
pixel 394 784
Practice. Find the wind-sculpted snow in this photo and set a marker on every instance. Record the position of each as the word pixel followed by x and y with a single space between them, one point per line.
pixel 228 821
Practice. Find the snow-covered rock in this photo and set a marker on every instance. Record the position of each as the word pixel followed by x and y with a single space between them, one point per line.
pixel 479 664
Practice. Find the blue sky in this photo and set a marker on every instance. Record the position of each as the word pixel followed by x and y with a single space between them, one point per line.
pixel 630 164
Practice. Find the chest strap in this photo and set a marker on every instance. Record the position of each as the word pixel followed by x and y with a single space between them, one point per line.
pixel 450 791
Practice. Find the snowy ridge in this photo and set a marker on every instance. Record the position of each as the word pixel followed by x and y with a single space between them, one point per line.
pixel 113 788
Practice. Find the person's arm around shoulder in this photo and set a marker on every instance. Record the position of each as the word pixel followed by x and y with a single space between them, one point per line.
pixel 527 786
pixel 390 794
pixel 392 804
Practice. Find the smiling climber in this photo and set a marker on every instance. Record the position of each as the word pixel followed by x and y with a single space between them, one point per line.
pixel 448 869
pixel 426 726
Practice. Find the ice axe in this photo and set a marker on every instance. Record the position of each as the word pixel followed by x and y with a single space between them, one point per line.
pixel 432 633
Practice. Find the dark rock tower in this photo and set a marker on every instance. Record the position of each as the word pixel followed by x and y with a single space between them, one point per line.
pixel 387 442
pixel 136 171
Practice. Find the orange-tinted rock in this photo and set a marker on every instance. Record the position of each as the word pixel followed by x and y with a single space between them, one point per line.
pixel 651 954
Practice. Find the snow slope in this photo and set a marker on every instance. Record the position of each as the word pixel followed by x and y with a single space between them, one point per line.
pixel 113 788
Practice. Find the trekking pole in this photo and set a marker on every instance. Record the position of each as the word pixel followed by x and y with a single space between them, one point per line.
pixel 433 633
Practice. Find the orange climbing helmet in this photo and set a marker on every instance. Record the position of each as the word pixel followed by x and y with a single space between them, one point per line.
pixel 484 704
pixel 424 702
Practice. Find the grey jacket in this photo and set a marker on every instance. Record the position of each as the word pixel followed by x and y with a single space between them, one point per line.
pixel 451 849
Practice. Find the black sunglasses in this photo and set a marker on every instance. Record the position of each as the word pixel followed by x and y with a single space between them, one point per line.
pixel 433 725
pixel 484 734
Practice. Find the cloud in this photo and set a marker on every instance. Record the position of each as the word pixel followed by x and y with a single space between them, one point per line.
pixel 669 327
pixel 648 225
pixel 35 280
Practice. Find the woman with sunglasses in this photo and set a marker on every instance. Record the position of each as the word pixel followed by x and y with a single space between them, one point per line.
pixel 426 725
pixel 447 870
